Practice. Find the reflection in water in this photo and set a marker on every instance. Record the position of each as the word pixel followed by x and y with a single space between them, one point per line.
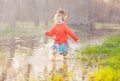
pixel 27 60
pixel 13 62
pixel 66 70
pixel 59 73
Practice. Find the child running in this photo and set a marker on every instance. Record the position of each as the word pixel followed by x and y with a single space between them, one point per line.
pixel 60 31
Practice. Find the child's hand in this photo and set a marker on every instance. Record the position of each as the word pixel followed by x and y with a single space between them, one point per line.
pixel 46 33
pixel 77 41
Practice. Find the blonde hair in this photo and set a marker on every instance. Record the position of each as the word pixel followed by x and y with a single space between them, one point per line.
pixel 61 13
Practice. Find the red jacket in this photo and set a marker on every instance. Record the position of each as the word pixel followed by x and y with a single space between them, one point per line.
pixel 60 32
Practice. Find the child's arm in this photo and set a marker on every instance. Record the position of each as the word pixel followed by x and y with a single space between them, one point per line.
pixel 69 31
pixel 51 32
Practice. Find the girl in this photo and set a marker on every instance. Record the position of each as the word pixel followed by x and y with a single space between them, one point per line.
pixel 60 31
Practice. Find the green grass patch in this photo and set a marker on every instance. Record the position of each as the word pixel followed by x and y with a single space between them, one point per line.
pixel 110 46
pixel 105 74
pixel 107 58
pixel 99 25
pixel 23 29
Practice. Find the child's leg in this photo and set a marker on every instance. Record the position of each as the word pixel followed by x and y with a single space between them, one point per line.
pixel 65 55
pixel 54 48
pixel 54 56
pixel 66 47
pixel 63 48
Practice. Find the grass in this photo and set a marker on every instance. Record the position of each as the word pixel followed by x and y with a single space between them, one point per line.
pixel 107 56
pixel 105 74
pixel 22 29
pixel 30 29
pixel 110 46
pixel 60 76
pixel 99 25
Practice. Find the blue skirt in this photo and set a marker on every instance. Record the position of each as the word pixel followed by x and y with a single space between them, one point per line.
pixel 61 48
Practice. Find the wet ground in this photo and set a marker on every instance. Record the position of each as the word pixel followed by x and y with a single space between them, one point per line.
pixel 27 59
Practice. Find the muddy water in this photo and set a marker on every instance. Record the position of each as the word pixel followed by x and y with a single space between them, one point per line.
pixel 43 67
pixel 27 59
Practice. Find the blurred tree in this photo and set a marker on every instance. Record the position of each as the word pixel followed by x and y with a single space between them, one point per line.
pixel 44 10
